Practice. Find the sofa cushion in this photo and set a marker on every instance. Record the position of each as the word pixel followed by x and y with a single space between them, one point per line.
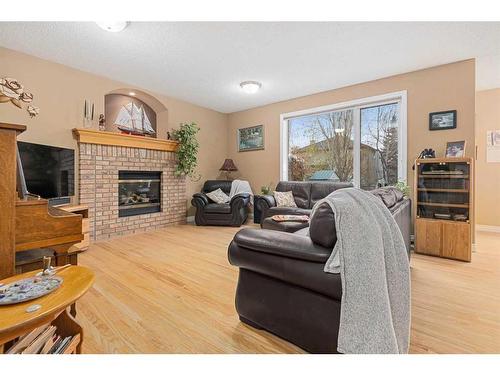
pixel 322 226
pixel 284 199
pixel 284 226
pixel 218 196
pixel 301 191
pixel 215 208
pixel 389 195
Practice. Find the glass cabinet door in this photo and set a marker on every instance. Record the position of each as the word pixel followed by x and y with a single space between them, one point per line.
pixel 443 190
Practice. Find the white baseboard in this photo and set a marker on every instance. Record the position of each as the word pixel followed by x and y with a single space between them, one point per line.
pixel 488 228
pixel 190 219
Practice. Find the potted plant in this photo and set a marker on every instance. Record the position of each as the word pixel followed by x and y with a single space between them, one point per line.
pixel 405 189
pixel 187 151
pixel 266 189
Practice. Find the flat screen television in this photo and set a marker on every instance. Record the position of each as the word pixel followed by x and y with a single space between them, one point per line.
pixel 49 171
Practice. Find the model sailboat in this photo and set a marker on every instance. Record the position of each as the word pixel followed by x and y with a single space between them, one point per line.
pixel 133 120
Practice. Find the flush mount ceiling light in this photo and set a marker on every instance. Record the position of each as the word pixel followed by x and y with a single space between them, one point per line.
pixel 113 26
pixel 250 87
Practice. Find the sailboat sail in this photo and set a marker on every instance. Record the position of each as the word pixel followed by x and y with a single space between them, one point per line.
pixel 147 124
pixel 137 118
pixel 133 119
pixel 123 118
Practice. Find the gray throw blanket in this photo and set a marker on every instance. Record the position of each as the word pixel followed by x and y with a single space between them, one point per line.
pixel 371 257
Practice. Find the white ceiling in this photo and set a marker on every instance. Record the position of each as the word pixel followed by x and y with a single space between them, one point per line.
pixel 204 63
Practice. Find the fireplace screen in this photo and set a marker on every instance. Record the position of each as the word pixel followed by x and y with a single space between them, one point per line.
pixel 138 193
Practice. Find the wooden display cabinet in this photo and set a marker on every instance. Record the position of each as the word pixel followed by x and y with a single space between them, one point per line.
pixel 444 207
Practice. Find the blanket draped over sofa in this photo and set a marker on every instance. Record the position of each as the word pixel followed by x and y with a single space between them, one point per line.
pixel 371 257
pixel 241 186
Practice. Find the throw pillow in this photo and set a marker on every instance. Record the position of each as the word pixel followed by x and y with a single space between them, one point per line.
pixel 218 196
pixel 284 199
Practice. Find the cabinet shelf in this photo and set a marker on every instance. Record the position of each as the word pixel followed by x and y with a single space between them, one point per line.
pixel 454 205
pixel 435 190
pixel 465 176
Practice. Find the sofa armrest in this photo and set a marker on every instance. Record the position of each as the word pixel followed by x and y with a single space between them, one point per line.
pixel 266 201
pixel 199 200
pixel 240 200
pixel 283 244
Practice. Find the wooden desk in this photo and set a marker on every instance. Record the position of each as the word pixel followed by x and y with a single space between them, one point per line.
pixel 15 321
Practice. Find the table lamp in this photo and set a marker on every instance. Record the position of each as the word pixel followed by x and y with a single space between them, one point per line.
pixel 228 167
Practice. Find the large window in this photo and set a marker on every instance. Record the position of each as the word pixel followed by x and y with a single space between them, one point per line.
pixel 363 142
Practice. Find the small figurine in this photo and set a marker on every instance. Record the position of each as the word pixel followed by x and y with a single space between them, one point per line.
pixel 102 122
pixel 168 135
pixel 48 270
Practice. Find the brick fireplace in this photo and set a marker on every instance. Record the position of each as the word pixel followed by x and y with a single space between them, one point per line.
pixel 127 175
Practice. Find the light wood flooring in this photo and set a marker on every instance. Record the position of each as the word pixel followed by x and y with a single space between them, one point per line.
pixel 172 291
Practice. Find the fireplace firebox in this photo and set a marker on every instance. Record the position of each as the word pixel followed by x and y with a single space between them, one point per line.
pixel 138 192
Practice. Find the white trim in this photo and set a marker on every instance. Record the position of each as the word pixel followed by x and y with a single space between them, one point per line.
pixel 190 219
pixel 487 228
pixel 397 95
pixel 356 168
pixel 283 149
pixel 358 104
pixel 403 138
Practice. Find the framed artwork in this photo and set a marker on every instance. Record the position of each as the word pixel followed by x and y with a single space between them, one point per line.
pixel 443 120
pixel 251 139
pixel 455 149
pixel 493 146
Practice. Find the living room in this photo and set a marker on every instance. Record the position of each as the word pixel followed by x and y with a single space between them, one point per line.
pixel 220 191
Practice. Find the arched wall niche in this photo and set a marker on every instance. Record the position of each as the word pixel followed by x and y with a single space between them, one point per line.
pixel 160 111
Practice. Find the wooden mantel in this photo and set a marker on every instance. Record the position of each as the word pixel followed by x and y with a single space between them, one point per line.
pixel 116 139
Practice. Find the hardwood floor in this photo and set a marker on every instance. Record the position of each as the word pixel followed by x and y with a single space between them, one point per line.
pixel 172 291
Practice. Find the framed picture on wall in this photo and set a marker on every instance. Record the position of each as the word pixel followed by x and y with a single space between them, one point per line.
pixel 251 138
pixel 455 149
pixel 443 120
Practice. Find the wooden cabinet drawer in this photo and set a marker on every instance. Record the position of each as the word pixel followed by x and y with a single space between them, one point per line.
pixel 456 240
pixel 428 235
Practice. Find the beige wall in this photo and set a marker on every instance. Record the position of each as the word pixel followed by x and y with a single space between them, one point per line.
pixel 60 92
pixel 487 174
pixel 439 88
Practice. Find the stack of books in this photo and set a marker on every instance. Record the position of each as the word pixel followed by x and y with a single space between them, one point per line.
pixel 42 340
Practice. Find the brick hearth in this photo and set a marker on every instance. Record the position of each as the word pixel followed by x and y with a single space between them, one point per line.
pixel 98 170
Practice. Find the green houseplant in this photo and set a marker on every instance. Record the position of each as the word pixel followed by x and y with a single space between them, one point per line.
pixel 405 189
pixel 187 152
pixel 266 189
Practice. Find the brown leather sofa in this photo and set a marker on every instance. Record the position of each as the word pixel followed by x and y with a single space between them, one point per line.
pixel 233 213
pixel 305 194
pixel 282 287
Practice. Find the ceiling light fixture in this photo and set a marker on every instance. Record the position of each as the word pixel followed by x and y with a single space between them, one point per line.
pixel 131 93
pixel 250 87
pixel 113 26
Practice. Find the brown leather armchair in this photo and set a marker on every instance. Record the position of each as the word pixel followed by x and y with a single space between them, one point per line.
pixel 233 213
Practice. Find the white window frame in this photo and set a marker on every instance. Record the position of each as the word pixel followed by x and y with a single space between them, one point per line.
pixel 357 105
